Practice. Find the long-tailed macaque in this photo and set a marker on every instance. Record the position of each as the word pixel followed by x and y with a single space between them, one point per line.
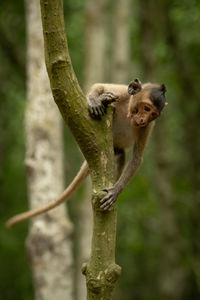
pixel 135 107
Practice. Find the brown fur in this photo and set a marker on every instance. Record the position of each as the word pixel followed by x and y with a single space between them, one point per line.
pixel 132 124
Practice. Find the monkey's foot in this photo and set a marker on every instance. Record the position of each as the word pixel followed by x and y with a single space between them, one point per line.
pixel 97 106
pixel 108 201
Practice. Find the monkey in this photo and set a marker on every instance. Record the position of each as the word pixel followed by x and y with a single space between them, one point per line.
pixel 136 106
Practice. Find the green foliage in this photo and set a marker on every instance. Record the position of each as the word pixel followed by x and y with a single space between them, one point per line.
pixel 139 237
pixel 15 275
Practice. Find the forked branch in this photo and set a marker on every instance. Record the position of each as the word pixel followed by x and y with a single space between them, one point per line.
pixel 95 141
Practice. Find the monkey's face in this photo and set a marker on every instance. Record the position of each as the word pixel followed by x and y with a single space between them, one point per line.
pixel 143 113
pixel 146 103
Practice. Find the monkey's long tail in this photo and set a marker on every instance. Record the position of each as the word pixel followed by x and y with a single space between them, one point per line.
pixel 75 184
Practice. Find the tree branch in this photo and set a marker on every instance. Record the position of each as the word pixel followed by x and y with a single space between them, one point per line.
pixel 95 141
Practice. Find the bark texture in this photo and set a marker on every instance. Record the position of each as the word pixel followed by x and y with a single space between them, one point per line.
pixel 95 53
pixel 95 141
pixel 84 239
pixel 121 42
pixel 95 41
pixel 49 240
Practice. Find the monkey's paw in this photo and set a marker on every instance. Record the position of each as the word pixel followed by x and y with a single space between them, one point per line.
pixel 97 106
pixel 97 110
pixel 108 98
pixel 108 201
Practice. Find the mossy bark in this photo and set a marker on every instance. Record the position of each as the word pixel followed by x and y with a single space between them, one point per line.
pixel 95 141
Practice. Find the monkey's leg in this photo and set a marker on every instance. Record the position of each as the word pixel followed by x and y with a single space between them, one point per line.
pixel 97 103
pixel 120 161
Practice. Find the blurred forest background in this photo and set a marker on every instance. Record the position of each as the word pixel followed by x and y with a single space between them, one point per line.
pixel 158 237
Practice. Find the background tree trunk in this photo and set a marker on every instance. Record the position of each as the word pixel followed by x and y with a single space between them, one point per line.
pixel 121 60
pixel 171 273
pixel 96 37
pixel 171 276
pixel 49 240
pixel 185 68
pixel 140 245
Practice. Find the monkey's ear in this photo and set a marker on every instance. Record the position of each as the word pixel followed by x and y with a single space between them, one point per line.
pixel 134 87
pixel 163 88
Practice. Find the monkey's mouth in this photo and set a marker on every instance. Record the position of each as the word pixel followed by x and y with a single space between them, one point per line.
pixel 139 125
pixel 142 125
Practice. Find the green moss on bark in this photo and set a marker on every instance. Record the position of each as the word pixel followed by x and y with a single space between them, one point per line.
pixel 95 141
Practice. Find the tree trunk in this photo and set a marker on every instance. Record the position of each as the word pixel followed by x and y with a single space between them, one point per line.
pixel 95 42
pixel 96 19
pixel 148 36
pixel 171 276
pixel 191 123
pixel 49 240
pixel 171 273
pixel 95 141
pixel 121 62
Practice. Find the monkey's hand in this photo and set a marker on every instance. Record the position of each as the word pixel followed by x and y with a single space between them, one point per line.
pixel 108 201
pixel 97 106
pixel 107 98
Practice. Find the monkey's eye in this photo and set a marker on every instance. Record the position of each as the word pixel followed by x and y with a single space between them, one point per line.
pixel 147 108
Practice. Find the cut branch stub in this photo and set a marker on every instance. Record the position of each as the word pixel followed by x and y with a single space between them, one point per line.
pixel 105 279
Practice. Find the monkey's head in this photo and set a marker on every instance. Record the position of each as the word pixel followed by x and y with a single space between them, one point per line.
pixel 146 102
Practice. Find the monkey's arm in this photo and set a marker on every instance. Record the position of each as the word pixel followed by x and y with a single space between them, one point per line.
pixel 98 100
pixel 75 184
pixel 129 171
